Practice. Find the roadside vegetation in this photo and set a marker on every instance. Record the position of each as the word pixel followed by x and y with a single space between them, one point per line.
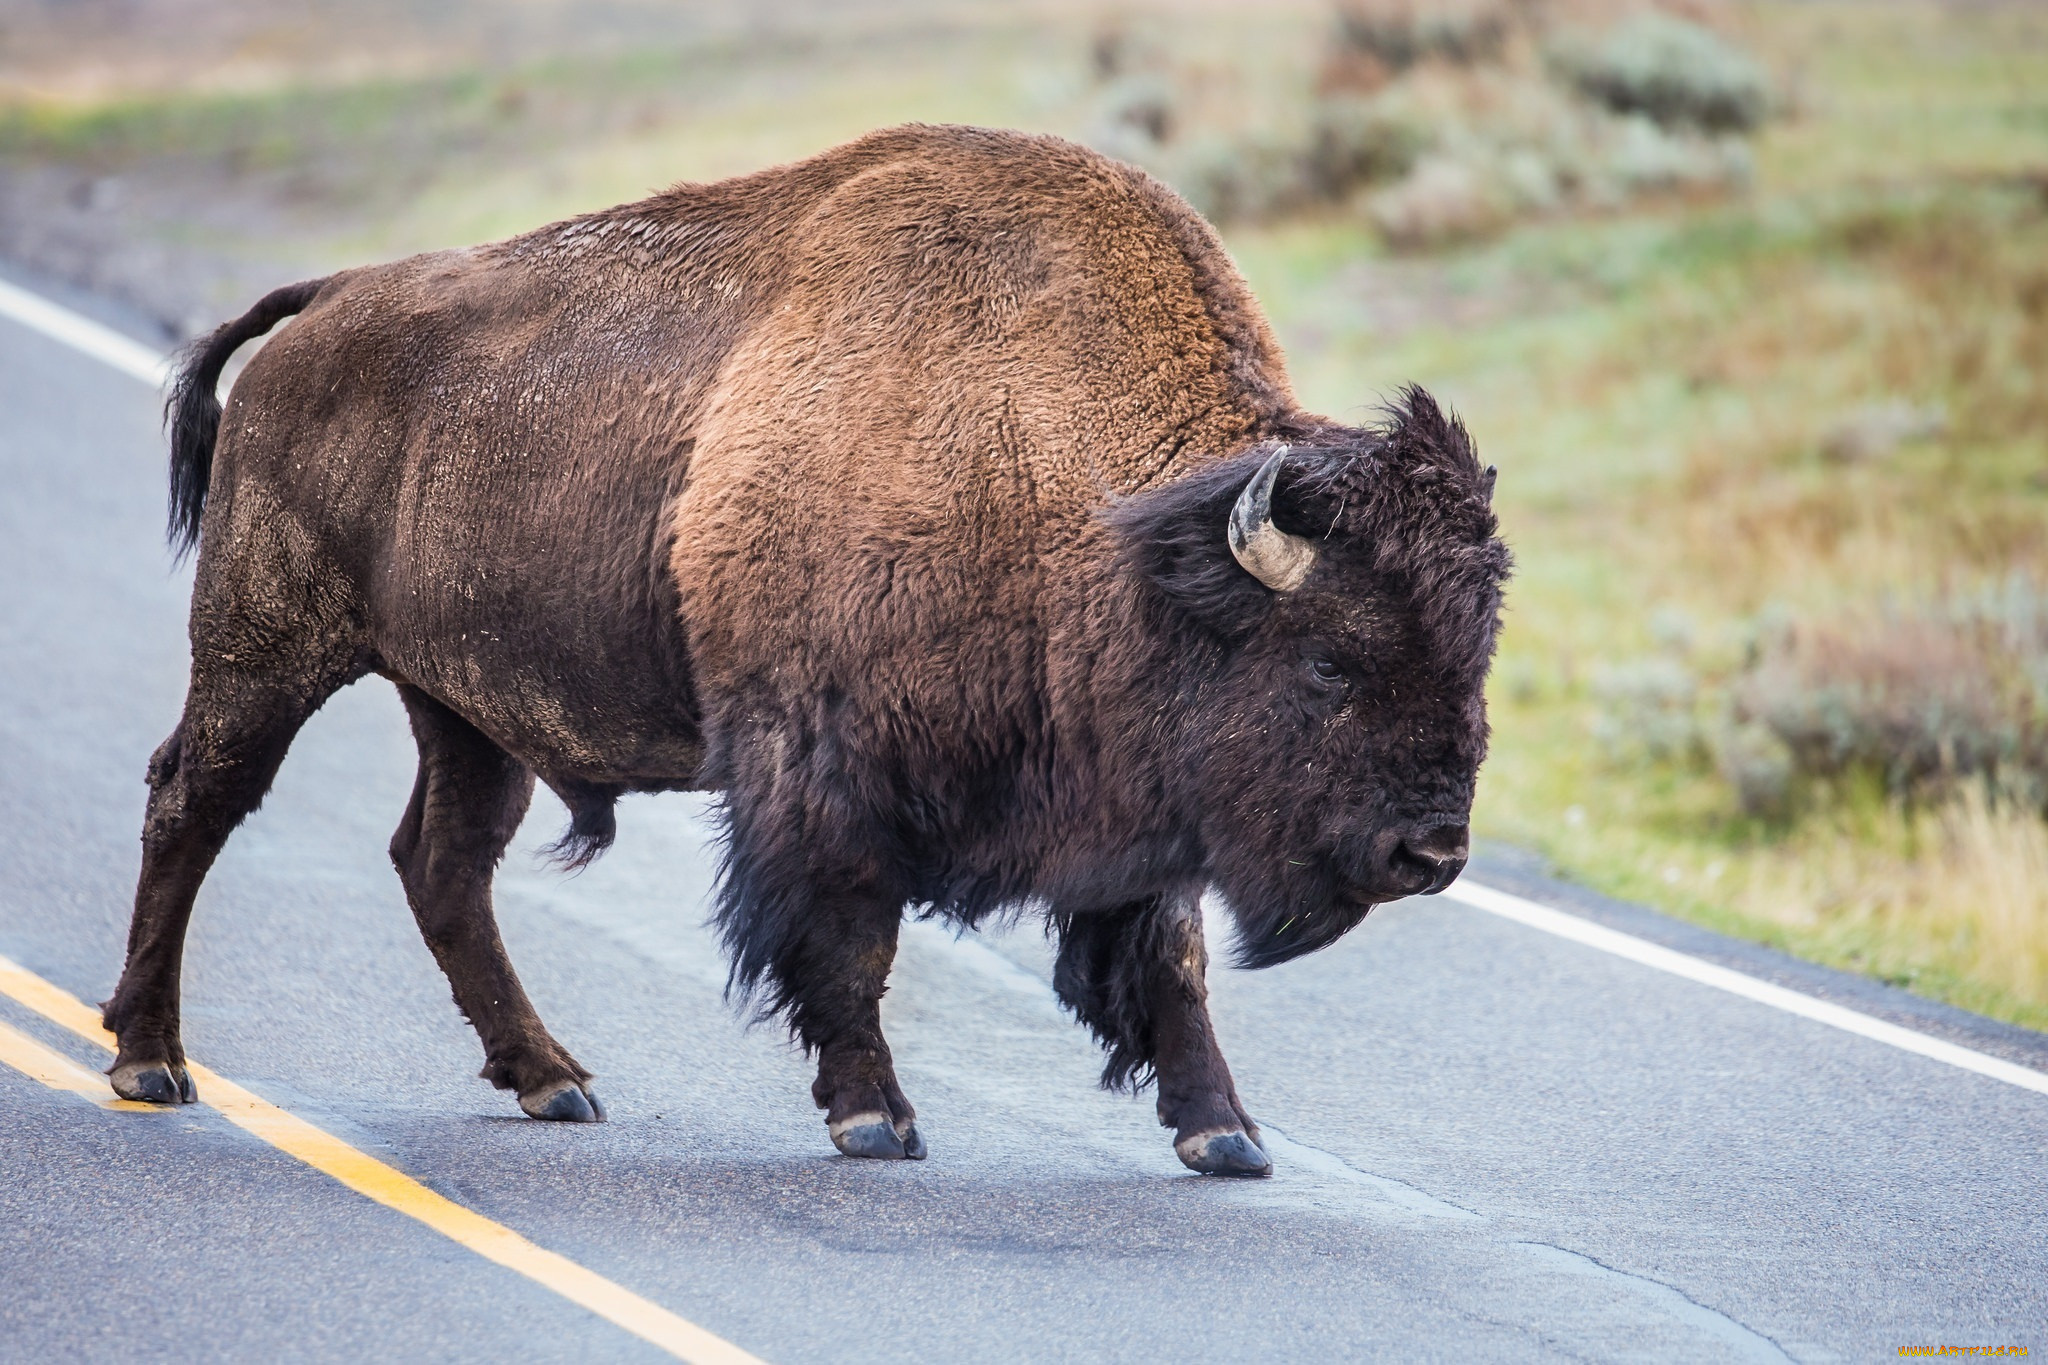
pixel 1763 360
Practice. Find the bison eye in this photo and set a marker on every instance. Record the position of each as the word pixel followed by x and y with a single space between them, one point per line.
pixel 1326 671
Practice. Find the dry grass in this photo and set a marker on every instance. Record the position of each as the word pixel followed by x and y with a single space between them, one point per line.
pixel 1954 898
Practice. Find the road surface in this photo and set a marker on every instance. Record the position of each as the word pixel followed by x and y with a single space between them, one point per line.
pixel 1491 1143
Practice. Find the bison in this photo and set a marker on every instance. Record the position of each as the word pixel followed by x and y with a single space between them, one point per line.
pixel 940 501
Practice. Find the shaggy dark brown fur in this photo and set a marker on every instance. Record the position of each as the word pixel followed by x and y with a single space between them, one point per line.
pixel 885 494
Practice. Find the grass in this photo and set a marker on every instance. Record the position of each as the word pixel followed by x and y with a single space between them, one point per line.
pixel 1659 388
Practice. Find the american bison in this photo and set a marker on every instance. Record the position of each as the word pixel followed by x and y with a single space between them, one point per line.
pixel 941 501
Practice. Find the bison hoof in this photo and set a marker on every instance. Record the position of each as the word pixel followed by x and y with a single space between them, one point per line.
pixel 1222 1154
pixel 567 1102
pixel 154 1083
pixel 874 1135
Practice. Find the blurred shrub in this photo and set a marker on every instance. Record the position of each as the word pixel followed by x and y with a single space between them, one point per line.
pixel 1919 700
pixel 1649 711
pixel 1678 73
pixel 1876 430
pixel 1917 705
pixel 1445 199
pixel 1439 122
pixel 1355 141
pixel 1641 157
pixel 1392 35
pixel 1758 766
pixel 1144 102
pixel 1245 178
pixel 1135 113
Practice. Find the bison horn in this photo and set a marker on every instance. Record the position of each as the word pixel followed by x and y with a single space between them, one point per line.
pixel 1490 476
pixel 1269 554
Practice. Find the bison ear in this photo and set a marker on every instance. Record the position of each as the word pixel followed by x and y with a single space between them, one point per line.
pixel 1175 537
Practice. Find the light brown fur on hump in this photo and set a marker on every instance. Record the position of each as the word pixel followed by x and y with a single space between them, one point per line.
pixel 981 339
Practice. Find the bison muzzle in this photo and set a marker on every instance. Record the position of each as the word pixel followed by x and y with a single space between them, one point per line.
pixel 940 501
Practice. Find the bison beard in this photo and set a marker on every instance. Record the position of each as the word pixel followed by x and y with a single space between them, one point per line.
pixel 941 502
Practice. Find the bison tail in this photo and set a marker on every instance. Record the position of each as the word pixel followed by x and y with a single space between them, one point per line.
pixel 192 413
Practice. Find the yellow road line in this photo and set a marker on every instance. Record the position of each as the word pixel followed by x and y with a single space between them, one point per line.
pixel 57 1071
pixel 364 1174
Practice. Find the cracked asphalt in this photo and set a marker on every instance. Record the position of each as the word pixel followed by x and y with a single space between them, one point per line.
pixel 1491 1144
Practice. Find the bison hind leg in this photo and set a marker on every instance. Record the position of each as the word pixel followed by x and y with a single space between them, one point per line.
pixel 204 781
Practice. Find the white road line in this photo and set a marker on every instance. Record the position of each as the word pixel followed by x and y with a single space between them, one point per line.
pixel 138 361
pixel 81 333
pixel 1648 954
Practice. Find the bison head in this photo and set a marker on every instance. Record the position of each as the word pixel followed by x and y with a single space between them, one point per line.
pixel 1331 605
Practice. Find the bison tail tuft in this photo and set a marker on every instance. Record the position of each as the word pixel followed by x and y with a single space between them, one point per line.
pixel 192 412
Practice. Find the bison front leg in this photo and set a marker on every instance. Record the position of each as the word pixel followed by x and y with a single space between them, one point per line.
pixel 1137 976
pixel 808 912
pixel 835 983
pixel 818 951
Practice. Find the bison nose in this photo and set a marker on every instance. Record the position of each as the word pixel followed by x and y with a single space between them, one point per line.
pixel 1430 858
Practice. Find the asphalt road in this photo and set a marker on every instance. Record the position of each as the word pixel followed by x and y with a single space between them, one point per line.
pixel 1491 1143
